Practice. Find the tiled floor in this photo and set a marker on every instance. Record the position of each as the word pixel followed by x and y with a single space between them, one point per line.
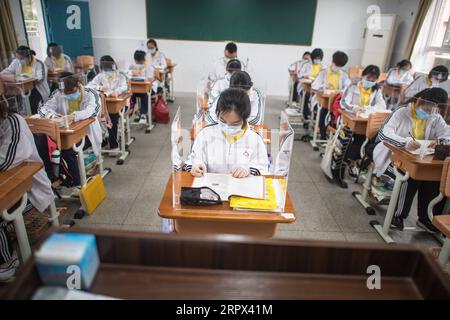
pixel 325 211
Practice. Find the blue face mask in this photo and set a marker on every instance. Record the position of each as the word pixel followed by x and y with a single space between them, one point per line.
pixel 109 74
pixel 229 130
pixel 335 69
pixel 22 62
pixel 317 61
pixel 73 96
pixel 422 114
pixel 402 71
pixel 368 84
pixel 152 50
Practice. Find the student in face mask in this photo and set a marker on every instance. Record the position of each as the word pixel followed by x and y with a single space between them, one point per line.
pixel 218 70
pixel 77 103
pixel 56 59
pixel 401 75
pixel 220 85
pixel 144 71
pixel 437 77
pixel 158 61
pixel 332 78
pixel 112 83
pixel 293 69
pixel 309 70
pixel 26 64
pixel 419 119
pixel 358 98
pixel 230 146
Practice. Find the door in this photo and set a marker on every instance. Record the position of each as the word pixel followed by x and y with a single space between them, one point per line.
pixel 68 24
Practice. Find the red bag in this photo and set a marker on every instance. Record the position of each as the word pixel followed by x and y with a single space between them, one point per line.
pixel 160 112
pixel 336 107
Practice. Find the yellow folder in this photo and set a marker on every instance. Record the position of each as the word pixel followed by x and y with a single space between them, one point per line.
pixel 268 204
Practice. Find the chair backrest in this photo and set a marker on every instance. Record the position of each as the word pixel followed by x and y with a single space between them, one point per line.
pixel 445 178
pixel 374 123
pixel 203 103
pixel 355 72
pixel 382 77
pixel 45 126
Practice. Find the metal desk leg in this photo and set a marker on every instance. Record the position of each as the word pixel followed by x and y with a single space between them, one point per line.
pixel 53 214
pixel 314 140
pixel 82 168
pixel 129 139
pixel 123 146
pixel 363 197
pixel 150 125
pixel 444 255
pixel 383 231
pixel 103 171
pixel 22 238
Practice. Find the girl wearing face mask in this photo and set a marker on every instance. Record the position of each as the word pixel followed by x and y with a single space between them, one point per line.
pixel 332 78
pixel 17 146
pixel 419 119
pixel 26 64
pixel 229 146
pixel 398 77
pixel 158 61
pixel 356 98
pixel 77 103
pixel 220 85
pixel 437 77
pixel 112 83
pixel 309 70
pixel 293 70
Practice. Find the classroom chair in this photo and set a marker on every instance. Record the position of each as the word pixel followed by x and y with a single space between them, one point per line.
pixel 355 72
pixel 374 123
pixel 442 222
pixel 86 62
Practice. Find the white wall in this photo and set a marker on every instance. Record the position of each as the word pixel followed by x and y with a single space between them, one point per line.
pixel 268 62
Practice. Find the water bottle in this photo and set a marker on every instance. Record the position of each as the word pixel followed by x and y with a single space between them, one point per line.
pixel 56 159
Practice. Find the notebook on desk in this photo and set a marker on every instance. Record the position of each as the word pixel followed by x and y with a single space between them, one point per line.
pixel 226 186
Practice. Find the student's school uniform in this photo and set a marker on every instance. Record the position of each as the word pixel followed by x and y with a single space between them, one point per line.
pixel 422 83
pixel 145 72
pixel 294 68
pixel 221 154
pixel 37 70
pixel 219 69
pixel 218 87
pixel 395 78
pixel 396 131
pixel 257 108
pixel 355 96
pixel 87 107
pixel 339 80
pixel 63 63
pixel 158 62
pixel 118 84
pixel 16 146
pixel 307 70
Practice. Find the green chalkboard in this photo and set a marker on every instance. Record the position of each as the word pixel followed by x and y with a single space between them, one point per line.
pixel 255 21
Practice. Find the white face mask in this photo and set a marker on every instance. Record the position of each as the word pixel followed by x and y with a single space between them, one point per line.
pixel 229 130
pixel 152 50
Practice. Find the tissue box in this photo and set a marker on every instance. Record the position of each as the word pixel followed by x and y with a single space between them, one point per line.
pixel 69 260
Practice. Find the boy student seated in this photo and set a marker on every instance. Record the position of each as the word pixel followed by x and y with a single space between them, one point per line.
pixel 309 70
pixel 141 71
pixel 400 76
pixel 220 85
pixel 76 103
pixel 332 78
pixel 420 119
pixel 158 61
pixel 230 146
pixel 437 77
pixel 112 83
pixel 16 146
pixel 363 97
pixel 25 64
pixel 218 70
pixel 293 71
pixel 56 59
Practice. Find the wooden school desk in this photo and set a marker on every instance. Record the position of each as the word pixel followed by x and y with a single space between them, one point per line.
pixel 24 85
pixel 144 87
pixel 116 105
pixel 426 169
pixel 218 218
pixel 53 76
pixel 357 124
pixel 14 185
pixel 143 265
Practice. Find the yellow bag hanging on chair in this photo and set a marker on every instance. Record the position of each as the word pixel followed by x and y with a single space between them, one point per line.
pixel 93 194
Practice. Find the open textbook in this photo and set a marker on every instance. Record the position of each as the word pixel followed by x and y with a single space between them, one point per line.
pixel 226 186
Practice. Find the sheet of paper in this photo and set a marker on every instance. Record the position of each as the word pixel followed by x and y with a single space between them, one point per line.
pixel 225 185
